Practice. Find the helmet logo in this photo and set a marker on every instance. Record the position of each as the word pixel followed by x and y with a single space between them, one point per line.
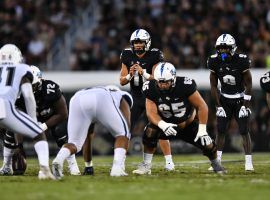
pixel 162 69
pixel 224 36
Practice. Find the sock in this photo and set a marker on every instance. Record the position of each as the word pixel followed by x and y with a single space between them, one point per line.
pixel 62 155
pixel 71 159
pixel 248 159
pixel 219 155
pixel 42 150
pixel 147 158
pixel 119 156
pixel 168 158
pixel 88 164
pixel 215 161
pixel 8 153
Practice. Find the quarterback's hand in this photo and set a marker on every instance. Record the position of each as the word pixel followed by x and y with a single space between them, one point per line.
pixel 167 128
pixel 132 70
pixel 244 112
pixel 221 112
pixel 139 69
pixel 203 135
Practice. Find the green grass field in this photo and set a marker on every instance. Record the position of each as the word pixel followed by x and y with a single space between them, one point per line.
pixel 191 180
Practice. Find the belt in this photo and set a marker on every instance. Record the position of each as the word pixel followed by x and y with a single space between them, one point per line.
pixel 233 96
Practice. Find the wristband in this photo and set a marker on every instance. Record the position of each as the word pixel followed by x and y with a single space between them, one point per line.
pixel 146 75
pixel 43 126
pixel 247 97
pixel 128 77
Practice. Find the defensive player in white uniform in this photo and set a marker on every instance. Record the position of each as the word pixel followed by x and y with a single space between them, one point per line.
pixel 16 78
pixel 106 105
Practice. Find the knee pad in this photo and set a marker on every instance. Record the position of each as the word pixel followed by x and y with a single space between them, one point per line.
pixel 210 152
pixel 150 136
pixel 9 140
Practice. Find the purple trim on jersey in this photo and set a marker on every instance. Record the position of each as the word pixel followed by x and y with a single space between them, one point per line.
pixel 24 121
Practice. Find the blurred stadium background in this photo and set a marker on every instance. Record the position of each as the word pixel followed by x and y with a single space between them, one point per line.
pixel 77 43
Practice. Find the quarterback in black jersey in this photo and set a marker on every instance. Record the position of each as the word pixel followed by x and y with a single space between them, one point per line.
pixel 171 104
pixel 51 112
pixel 232 71
pixel 138 64
pixel 265 85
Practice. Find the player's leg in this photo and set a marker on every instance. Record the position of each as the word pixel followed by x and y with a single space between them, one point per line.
pixel 19 122
pixel 10 145
pixel 118 123
pixel 150 139
pixel 189 133
pixel 166 149
pixel 243 124
pixel 60 136
pixel 88 152
pixel 78 124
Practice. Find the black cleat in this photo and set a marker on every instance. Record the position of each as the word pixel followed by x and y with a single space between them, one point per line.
pixel 88 171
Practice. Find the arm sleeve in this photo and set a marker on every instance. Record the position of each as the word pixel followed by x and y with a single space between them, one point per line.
pixel 29 99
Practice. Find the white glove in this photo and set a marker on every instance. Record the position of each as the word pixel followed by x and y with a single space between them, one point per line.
pixel 244 112
pixel 43 126
pixel 203 135
pixel 221 112
pixel 167 128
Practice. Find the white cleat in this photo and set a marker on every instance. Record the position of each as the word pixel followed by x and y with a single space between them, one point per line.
pixel 74 169
pixel 249 167
pixel 210 169
pixel 6 170
pixel 117 171
pixel 143 168
pixel 45 173
pixel 169 166
pixel 57 170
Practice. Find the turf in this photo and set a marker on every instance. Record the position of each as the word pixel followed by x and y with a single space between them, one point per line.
pixel 191 180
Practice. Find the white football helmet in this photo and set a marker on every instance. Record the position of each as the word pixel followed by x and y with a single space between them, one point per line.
pixel 165 71
pixel 37 75
pixel 141 35
pixel 226 40
pixel 11 53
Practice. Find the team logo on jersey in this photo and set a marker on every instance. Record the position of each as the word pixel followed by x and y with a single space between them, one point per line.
pixel 159 100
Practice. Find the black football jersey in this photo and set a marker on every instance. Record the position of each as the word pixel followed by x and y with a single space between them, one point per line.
pixel 265 82
pixel 45 96
pixel 173 106
pixel 230 73
pixel 147 62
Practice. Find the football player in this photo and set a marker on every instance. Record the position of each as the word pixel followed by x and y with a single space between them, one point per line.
pixel 15 79
pixel 51 111
pixel 232 70
pixel 138 63
pixel 172 103
pixel 87 106
pixel 265 85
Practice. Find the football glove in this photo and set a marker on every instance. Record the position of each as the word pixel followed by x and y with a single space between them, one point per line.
pixel 167 128
pixel 244 112
pixel 203 135
pixel 221 112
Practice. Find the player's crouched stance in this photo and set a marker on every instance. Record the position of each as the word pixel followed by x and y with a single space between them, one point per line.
pixel 171 104
pixel 107 105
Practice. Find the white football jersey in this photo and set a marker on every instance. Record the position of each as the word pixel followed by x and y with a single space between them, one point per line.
pixel 10 80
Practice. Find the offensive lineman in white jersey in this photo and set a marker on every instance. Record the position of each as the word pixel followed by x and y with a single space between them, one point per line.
pixel 107 105
pixel 16 78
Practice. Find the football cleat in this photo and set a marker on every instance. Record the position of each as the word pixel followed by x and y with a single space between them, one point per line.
pixel 74 169
pixel 217 168
pixel 45 173
pixel 117 171
pixel 143 168
pixel 88 171
pixel 57 170
pixel 6 170
pixel 169 166
pixel 249 167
